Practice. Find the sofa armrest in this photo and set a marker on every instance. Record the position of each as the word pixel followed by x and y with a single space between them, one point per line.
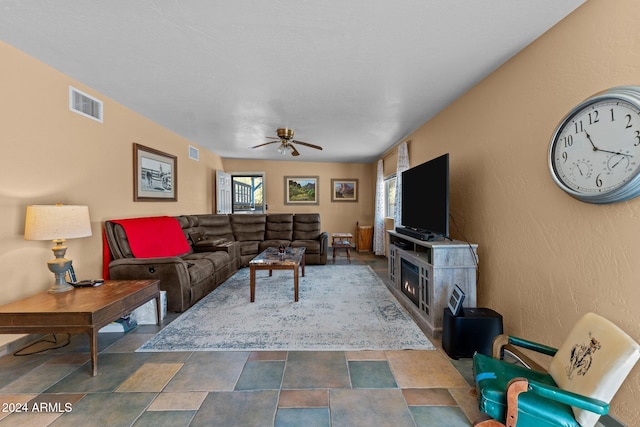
pixel 171 271
pixel 324 242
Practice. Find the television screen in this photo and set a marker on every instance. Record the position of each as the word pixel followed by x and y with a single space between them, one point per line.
pixel 425 197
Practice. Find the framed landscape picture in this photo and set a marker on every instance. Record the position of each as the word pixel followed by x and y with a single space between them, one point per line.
pixel 301 190
pixel 155 175
pixel 344 190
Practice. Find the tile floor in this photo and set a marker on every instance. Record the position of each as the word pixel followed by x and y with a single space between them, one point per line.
pixel 368 388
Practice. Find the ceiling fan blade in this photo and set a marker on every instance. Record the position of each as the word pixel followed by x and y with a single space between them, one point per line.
pixel 294 152
pixel 273 137
pixel 266 143
pixel 317 147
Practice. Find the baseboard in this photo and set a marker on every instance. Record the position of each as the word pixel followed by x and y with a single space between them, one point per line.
pixel 13 346
pixel 609 421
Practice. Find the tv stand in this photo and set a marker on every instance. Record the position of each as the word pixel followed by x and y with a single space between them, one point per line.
pixel 441 265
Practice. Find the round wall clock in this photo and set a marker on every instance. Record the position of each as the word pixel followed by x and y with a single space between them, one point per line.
pixel 594 154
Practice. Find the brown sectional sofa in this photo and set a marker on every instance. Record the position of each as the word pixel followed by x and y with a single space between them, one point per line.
pixel 220 245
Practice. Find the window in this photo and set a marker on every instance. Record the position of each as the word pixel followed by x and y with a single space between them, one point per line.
pixel 390 196
pixel 248 193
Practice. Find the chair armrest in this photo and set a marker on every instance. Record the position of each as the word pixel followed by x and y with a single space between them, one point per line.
pixel 531 345
pixel 568 398
pixel 509 344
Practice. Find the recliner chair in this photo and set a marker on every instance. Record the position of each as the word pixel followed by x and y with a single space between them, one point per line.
pixel 584 375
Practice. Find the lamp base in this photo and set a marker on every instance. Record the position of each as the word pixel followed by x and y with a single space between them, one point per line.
pixel 59 267
pixel 55 289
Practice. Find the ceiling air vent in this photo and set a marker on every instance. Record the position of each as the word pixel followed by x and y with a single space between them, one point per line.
pixel 84 104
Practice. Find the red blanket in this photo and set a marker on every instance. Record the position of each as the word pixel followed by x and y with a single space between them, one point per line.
pixel 152 237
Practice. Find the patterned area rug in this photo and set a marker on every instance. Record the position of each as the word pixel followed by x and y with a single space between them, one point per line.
pixel 340 308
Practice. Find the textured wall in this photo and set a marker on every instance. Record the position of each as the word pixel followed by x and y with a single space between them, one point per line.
pixel 545 258
pixel 51 155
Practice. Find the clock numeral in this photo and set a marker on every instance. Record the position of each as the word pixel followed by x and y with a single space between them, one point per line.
pixel 628 117
pixel 565 156
pixel 598 181
pixel 593 117
pixel 637 137
pixel 567 141
pixel 612 117
pixel 578 127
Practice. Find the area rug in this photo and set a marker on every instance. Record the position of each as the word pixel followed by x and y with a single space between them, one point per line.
pixel 340 308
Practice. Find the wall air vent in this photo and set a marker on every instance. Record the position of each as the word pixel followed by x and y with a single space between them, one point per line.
pixel 194 153
pixel 81 103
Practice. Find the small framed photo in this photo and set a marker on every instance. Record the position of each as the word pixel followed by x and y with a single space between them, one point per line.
pixel 155 175
pixel 344 190
pixel 70 275
pixel 301 190
pixel 455 301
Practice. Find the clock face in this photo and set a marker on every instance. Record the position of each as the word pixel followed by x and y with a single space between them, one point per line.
pixel 595 152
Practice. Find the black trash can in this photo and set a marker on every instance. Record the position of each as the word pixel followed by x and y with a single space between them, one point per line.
pixel 473 330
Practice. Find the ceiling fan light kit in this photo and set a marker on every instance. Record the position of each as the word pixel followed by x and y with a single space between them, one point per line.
pixel 285 138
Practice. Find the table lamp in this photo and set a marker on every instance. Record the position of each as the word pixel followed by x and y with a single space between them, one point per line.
pixel 57 223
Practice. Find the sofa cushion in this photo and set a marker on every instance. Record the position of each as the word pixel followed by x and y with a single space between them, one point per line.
pixel 213 227
pixel 218 259
pixel 306 226
pixel 248 227
pixel 313 246
pixel 250 247
pixel 199 269
pixel 279 227
pixel 273 244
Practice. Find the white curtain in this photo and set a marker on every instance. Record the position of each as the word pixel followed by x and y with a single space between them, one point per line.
pixel 403 165
pixel 378 228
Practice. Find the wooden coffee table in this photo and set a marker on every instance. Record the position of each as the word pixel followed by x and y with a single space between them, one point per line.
pixel 79 311
pixel 270 259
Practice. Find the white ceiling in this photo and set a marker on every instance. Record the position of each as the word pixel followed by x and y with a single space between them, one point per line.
pixel 353 76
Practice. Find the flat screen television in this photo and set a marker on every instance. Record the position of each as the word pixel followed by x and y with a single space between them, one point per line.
pixel 425 200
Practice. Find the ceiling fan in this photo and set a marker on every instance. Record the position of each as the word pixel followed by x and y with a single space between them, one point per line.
pixel 285 138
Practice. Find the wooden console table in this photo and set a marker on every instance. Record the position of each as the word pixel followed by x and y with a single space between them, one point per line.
pixel 79 311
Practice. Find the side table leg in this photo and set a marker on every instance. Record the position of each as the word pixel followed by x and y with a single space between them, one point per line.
pixel 93 340
pixel 295 283
pixel 252 282
pixel 158 310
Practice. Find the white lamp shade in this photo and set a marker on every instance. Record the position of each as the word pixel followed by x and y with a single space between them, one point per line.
pixel 55 222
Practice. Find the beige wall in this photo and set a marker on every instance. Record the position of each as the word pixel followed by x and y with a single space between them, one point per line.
pixel 51 155
pixel 335 216
pixel 545 258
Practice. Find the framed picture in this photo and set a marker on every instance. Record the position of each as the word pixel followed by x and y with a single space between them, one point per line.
pixel 155 175
pixel 344 190
pixel 301 190
pixel 455 300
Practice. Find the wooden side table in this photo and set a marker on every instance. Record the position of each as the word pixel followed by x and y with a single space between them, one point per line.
pixel 342 240
pixel 79 311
